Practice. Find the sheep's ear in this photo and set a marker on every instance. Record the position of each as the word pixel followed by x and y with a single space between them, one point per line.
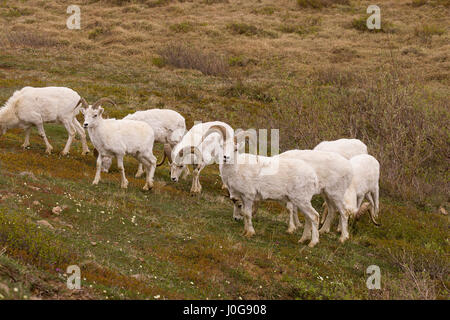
pixel 100 111
pixel 82 110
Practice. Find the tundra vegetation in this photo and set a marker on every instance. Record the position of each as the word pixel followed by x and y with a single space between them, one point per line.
pixel 304 67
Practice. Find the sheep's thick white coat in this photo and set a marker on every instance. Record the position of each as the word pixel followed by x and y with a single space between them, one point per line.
pixel 294 183
pixel 211 149
pixel 348 148
pixel 335 175
pixel 168 126
pixel 35 106
pixel 365 184
pixel 116 138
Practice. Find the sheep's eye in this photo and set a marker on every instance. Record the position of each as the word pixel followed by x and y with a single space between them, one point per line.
pixel 95 116
pixel 239 206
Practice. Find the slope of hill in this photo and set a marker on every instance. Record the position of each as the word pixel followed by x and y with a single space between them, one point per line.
pixel 313 73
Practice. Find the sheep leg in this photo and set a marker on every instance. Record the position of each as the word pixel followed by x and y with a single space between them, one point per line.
pixel 292 211
pixel 325 212
pixel 343 221
pixel 306 235
pixel 312 223
pixel 124 181
pixel 26 142
pixel 99 169
pixel 249 231
pixel 329 219
pixel 79 129
pixel 297 222
pixel 196 186
pixel 140 171
pixel 149 163
pixel 255 208
pixel 71 131
pixel 40 127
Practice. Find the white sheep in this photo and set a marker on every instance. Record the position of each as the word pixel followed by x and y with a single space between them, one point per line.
pixel 348 148
pixel 168 126
pixel 335 175
pixel 210 149
pixel 116 138
pixel 36 106
pixel 366 175
pixel 250 178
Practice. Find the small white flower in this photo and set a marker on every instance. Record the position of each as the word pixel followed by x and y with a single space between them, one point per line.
pixel 157 296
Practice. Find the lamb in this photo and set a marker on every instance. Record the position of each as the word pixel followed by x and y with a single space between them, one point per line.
pixel 366 174
pixel 250 178
pixel 36 106
pixel 348 148
pixel 208 151
pixel 168 126
pixel 116 138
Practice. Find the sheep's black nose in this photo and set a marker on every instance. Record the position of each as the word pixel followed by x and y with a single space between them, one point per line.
pixel 85 125
pixel 174 179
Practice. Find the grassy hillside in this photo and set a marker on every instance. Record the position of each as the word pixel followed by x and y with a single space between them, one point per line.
pixel 304 67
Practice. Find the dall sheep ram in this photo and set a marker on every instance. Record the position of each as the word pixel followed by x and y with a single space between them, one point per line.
pixel 168 126
pixel 116 138
pixel 335 175
pixel 208 151
pixel 366 174
pixel 348 148
pixel 35 106
pixel 250 178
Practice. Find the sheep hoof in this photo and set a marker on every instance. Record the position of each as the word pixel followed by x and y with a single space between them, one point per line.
pixel 95 183
pixel 25 146
pixel 302 240
pixel 324 230
pixel 342 239
pixel 249 233
pixel 290 230
pixel 85 152
pixel 148 186
pixel 124 185
pixel 48 150
pixel 312 244
pixel 64 153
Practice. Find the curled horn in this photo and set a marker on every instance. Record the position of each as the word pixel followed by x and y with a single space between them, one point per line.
pixel 220 129
pixel 83 103
pixel 168 152
pixel 103 100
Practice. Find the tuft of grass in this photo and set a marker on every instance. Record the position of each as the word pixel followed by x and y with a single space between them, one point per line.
pixel 181 27
pixel 318 4
pixel 426 31
pixel 249 30
pixel 37 40
pixel 360 24
pixel 187 57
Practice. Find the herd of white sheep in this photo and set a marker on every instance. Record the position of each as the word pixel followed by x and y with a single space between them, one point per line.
pixel 341 171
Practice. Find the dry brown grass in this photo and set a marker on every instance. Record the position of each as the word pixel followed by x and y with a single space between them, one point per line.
pixel 187 57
